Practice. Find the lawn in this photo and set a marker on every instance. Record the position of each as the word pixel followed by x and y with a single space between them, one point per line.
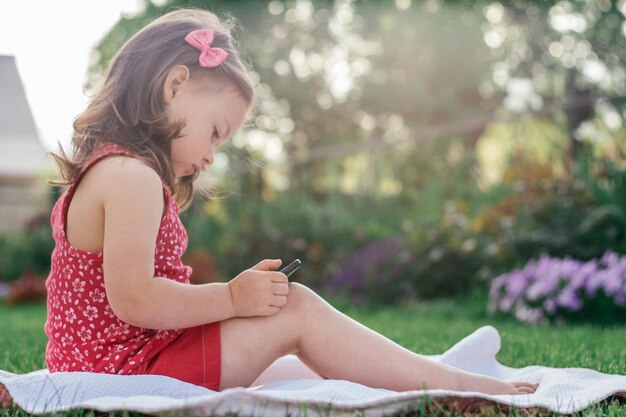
pixel 427 328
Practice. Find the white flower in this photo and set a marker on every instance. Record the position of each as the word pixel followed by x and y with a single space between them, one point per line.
pixel 84 334
pixel 78 285
pixel 70 315
pixel 91 313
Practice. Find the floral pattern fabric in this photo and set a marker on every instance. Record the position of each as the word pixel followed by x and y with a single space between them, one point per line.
pixel 84 334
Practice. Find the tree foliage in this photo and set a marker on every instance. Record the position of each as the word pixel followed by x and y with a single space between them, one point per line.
pixel 361 80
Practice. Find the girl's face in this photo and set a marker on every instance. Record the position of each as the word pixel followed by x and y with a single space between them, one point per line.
pixel 211 116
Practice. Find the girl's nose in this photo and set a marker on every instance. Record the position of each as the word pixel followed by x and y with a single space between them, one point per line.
pixel 208 158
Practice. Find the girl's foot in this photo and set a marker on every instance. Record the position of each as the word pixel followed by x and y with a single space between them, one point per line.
pixel 488 385
pixel 523 387
pixel 6 402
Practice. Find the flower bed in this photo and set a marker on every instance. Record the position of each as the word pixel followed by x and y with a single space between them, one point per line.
pixel 559 290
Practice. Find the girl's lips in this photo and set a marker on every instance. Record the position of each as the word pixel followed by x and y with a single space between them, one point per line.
pixel 196 169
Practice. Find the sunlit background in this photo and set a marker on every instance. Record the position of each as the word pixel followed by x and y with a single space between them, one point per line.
pixel 401 149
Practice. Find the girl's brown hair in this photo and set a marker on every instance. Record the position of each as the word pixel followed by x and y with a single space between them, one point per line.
pixel 128 108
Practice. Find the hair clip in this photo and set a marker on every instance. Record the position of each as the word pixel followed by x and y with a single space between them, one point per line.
pixel 209 57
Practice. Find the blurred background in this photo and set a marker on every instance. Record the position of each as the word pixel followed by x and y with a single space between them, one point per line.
pixel 403 150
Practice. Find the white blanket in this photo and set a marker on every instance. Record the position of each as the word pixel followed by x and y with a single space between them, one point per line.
pixel 564 390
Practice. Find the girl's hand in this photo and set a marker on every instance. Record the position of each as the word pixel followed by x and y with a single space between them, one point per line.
pixel 259 291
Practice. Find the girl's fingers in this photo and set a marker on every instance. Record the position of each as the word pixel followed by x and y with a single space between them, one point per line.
pixel 279 301
pixel 270 311
pixel 280 289
pixel 280 278
pixel 267 265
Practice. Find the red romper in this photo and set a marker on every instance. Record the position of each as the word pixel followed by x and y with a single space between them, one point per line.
pixel 85 335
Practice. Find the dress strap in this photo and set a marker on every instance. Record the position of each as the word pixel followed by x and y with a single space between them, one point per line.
pixel 104 150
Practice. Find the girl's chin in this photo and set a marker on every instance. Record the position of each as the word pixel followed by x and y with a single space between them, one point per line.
pixel 185 172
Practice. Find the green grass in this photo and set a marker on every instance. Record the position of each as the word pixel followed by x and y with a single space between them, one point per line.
pixel 22 339
pixel 427 328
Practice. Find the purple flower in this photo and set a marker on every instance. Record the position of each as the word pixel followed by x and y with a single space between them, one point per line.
pixel 568 299
pixel 553 288
pixel 375 271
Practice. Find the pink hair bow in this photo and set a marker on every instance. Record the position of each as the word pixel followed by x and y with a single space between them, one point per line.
pixel 209 57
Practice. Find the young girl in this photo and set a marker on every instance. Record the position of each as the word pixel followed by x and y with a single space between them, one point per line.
pixel 119 298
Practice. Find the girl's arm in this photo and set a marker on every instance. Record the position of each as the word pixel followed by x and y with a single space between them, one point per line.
pixel 132 199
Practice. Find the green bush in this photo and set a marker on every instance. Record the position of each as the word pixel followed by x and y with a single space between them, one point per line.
pixel 533 212
pixel 450 259
pixel 375 274
pixel 582 217
pixel 456 235
pixel 323 233
pixel 27 251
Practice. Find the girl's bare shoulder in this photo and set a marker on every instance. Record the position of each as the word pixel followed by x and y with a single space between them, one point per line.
pixel 122 174
pixel 122 182
pixel 111 189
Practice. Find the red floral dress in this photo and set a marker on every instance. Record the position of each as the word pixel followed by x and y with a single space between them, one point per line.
pixel 85 335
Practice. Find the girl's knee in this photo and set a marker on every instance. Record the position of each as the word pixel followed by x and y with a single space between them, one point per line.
pixel 301 296
pixel 298 291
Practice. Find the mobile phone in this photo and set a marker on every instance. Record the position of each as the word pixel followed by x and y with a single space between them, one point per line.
pixel 291 268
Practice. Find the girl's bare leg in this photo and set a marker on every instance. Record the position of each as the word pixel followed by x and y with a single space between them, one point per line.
pixel 337 347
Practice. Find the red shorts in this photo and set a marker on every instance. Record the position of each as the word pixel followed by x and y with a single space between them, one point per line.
pixel 194 357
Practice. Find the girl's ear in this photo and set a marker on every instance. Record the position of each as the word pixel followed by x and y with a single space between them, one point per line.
pixel 174 82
